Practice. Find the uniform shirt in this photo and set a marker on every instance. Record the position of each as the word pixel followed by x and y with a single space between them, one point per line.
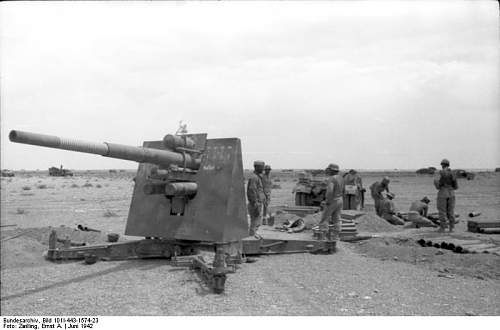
pixel 267 184
pixel 255 190
pixel 353 180
pixel 377 188
pixel 419 207
pixel 334 188
pixel 446 183
pixel 387 207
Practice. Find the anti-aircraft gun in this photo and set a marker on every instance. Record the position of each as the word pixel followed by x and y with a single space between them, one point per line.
pixel 189 195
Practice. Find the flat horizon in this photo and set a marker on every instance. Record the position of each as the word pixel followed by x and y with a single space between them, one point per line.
pixel 274 170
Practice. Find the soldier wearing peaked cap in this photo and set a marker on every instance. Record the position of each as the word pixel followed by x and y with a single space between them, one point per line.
pixel 353 189
pixel 333 202
pixel 445 182
pixel 256 197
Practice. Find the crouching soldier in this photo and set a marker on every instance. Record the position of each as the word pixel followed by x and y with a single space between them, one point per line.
pixel 255 196
pixel 388 210
pixel 376 190
pixel 418 213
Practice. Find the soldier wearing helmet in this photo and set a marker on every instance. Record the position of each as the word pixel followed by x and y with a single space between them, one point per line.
pixel 255 196
pixel 445 182
pixel 333 202
pixel 376 190
pixel 267 185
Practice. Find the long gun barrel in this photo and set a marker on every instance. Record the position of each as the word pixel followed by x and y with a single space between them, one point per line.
pixel 112 150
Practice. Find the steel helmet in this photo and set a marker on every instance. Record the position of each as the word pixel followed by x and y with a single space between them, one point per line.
pixel 333 167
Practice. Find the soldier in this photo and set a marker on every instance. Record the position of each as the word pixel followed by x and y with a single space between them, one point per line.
pixel 353 187
pixel 388 210
pixel 256 197
pixel 446 183
pixel 376 190
pixel 267 185
pixel 333 202
pixel 418 213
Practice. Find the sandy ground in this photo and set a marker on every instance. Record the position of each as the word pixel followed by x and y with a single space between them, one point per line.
pixel 387 275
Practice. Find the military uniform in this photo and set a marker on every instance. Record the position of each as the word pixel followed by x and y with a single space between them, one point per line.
pixel 446 184
pixel 255 196
pixel 376 190
pixel 418 214
pixel 333 206
pixel 352 194
pixel 420 207
pixel 388 212
pixel 267 185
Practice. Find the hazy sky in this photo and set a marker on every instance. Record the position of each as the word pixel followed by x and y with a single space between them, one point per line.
pixel 370 85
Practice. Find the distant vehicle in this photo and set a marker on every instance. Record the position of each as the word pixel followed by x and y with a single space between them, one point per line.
pixel 7 173
pixel 429 170
pixel 309 191
pixel 54 171
pixel 497 169
pixel 464 174
pixel 316 172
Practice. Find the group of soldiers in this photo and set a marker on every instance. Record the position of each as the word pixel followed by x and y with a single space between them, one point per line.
pixel 445 181
pixel 346 192
pixel 259 195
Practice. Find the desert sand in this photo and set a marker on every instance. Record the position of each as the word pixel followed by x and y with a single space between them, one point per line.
pixel 387 275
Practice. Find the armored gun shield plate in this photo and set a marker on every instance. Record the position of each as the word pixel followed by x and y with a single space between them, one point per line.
pixel 217 213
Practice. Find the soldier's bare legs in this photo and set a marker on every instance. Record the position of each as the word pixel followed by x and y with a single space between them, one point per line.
pixel 265 210
pixel 254 210
pixel 394 220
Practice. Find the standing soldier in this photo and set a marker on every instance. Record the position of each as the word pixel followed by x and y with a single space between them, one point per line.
pixel 256 197
pixel 376 190
pixel 267 184
pixel 353 187
pixel 333 202
pixel 446 184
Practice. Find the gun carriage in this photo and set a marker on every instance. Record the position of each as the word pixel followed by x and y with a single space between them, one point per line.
pixel 189 195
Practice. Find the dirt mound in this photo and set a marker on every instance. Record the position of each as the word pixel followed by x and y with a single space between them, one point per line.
pixel 374 224
pixel 41 235
pixel 24 247
pixel 22 252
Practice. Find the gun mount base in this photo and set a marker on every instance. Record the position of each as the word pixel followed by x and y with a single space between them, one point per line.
pixel 186 253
